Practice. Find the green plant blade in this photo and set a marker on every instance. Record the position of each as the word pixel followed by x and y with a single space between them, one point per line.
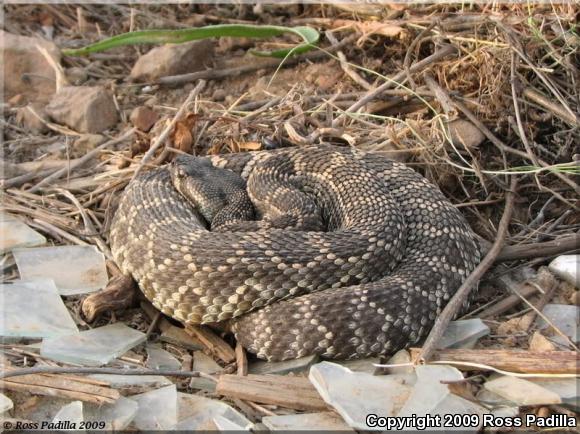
pixel 308 35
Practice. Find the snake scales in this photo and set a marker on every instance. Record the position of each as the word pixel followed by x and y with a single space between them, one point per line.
pixel 348 254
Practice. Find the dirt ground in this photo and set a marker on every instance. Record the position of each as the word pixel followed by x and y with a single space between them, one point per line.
pixel 469 96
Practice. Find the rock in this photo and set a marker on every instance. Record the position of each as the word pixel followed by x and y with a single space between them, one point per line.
pixel 34 309
pixel 5 403
pixel 26 71
pixel 76 75
pixel 540 343
pixel 173 59
pixel 325 421
pixel 71 414
pixel 493 400
pixel 116 416
pixel 143 118
pixel 429 391
pixel 281 368
pixel 74 269
pixel 158 358
pixel 86 109
pixel 564 317
pixel 361 365
pixel 566 268
pixel 94 347
pixel 575 298
pixel 157 409
pixel 522 392
pixel 177 336
pixel 464 134
pixel 568 389
pixel 16 234
pixel 207 365
pixel 354 395
pixel 455 405
pixel 196 411
pixel 27 120
pixel 463 333
pixel 86 143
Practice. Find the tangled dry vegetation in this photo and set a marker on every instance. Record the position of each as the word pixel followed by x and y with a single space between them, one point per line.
pixel 470 96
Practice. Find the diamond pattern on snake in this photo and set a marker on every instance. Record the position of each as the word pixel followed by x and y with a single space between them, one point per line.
pixel 310 250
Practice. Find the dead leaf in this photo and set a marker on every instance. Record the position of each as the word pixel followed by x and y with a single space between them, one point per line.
pixel 182 136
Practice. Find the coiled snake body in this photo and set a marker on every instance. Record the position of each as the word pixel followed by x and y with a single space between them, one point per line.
pixel 344 254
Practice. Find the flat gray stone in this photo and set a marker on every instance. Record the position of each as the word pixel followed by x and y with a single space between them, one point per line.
pixel 196 411
pixel 15 234
pixel 157 409
pixel 116 416
pixel 5 403
pixel 74 269
pixel 493 400
pixel 325 421
pixel 178 336
pixel 34 309
pixel 354 395
pixel 428 392
pixel 94 347
pixel 158 358
pixel 204 363
pixel 361 365
pixel 522 392
pixel 72 415
pixel 280 368
pixel 568 389
pixel 463 333
pixel 563 316
pixel 567 267
pixel 456 405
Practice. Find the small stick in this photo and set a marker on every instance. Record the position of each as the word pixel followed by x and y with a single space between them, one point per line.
pixel 169 128
pixel 395 81
pixel 551 106
pixel 538 250
pixel 457 300
pixel 110 371
pixel 88 156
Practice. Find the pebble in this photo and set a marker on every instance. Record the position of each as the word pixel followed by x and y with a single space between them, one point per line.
pixel 173 59
pixel 86 109
pixel 568 389
pixel 5 403
pixel 195 411
pixel 463 133
pixel 71 414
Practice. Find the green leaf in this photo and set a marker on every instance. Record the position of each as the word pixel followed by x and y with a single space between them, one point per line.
pixel 309 37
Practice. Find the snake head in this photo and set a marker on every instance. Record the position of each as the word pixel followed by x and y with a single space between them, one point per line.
pixel 211 190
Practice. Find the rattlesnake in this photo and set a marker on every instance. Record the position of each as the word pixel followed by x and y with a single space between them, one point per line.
pixel 331 251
